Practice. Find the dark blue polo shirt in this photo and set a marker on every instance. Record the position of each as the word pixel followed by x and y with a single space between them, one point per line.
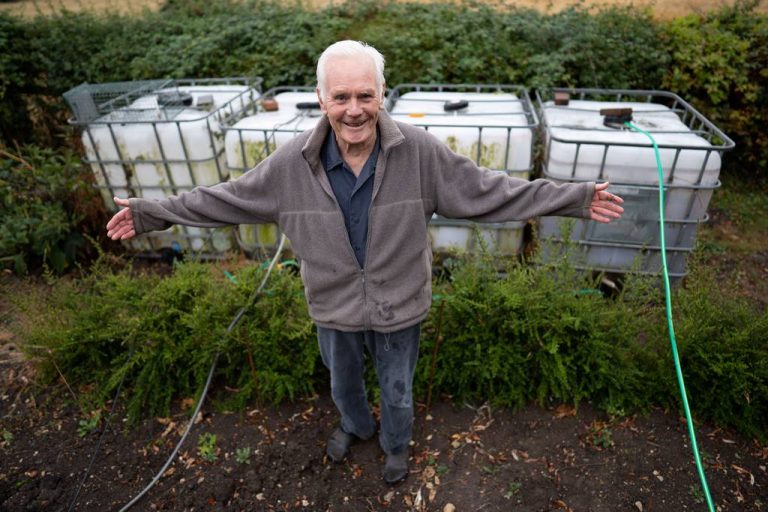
pixel 353 193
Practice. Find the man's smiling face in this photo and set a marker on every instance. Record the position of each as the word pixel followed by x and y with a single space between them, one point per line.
pixel 351 100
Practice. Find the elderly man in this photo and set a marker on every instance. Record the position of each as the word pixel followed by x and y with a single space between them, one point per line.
pixel 354 195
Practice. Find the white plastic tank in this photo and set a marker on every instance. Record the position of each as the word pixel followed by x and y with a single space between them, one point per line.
pixel 164 143
pixel 581 146
pixel 252 138
pixel 493 126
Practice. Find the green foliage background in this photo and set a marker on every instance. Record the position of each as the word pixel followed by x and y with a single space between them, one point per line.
pixel 717 60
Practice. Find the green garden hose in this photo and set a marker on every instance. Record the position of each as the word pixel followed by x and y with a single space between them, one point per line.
pixel 670 325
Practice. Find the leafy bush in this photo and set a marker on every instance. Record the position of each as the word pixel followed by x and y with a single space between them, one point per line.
pixel 161 335
pixel 723 344
pixel 719 63
pixel 539 333
pixel 45 198
pixel 717 60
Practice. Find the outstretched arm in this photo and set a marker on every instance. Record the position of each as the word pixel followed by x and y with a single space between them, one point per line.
pixel 605 206
pixel 120 226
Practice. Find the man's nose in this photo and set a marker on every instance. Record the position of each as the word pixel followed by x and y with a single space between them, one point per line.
pixel 354 108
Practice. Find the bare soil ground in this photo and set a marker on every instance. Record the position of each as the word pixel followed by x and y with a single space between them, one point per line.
pixel 469 458
pixel 660 9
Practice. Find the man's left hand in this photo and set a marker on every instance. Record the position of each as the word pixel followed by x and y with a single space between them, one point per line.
pixel 605 206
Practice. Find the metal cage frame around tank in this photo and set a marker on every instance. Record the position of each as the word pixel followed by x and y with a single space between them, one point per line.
pixel 532 120
pixel 92 104
pixel 253 109
pixel 256 108
pixel 531 124
pixel 697 123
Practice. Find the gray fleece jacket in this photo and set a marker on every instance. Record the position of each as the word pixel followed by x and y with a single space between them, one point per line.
pixel 416 175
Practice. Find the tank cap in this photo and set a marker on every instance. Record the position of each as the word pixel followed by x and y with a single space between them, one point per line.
pixel 616 116
pixel 308 105
pixel 562 98
pixel 270 105
pixel 455 105
pixel 174 99
pixel 204 101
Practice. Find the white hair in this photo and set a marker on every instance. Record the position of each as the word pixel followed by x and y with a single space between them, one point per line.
pixel 350 48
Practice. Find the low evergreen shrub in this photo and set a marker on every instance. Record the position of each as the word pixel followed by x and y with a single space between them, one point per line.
pixel 531 333
pixel 162 334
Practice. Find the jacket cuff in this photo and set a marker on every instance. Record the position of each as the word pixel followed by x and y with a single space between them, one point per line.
pixel 143 221
pixel 590 192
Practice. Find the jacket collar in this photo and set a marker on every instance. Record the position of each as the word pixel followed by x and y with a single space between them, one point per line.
pixel 389 133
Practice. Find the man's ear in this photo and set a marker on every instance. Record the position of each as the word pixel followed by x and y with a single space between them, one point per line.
pixel 320 100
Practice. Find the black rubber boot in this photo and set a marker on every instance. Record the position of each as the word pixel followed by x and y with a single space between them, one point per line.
pixel 396 467
pixel 338 445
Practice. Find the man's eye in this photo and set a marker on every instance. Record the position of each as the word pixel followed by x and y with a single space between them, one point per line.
pixel 340 98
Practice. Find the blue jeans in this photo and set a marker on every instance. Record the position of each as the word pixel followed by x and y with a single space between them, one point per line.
pixel 394 355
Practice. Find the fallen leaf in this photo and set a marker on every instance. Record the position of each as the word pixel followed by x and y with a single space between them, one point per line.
pixel 168 429
pixel 169 472
pixel 449 507
pixel 743 471
pixel 639 506
pixel 564 411
pixel 186 403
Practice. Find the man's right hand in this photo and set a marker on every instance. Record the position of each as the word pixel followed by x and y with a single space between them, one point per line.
pixel 120 226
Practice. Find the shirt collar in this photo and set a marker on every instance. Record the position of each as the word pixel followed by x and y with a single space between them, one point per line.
pixel 331 154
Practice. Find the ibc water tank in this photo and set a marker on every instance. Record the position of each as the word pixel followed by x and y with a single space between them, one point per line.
pixel 160 141
pixel 490 124
pixel 581 146
pixel 253 135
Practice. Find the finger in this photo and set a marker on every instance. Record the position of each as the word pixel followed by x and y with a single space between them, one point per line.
pixel 124 214
pixel 600 218
pixel 130 234
pixel 609 206
pixel 121 202
pixel 606 212
pixel 601 186
pixel 607 196
pixel 122 230
pixel 116 218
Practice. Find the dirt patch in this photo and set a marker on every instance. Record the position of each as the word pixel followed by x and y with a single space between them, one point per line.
pixel 481 458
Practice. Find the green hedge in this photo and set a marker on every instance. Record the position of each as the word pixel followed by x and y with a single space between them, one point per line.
pixel 539 334
pixel 717 60
pixel 47 204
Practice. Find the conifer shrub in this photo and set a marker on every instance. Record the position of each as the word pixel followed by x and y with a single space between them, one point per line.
pixel 527 333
